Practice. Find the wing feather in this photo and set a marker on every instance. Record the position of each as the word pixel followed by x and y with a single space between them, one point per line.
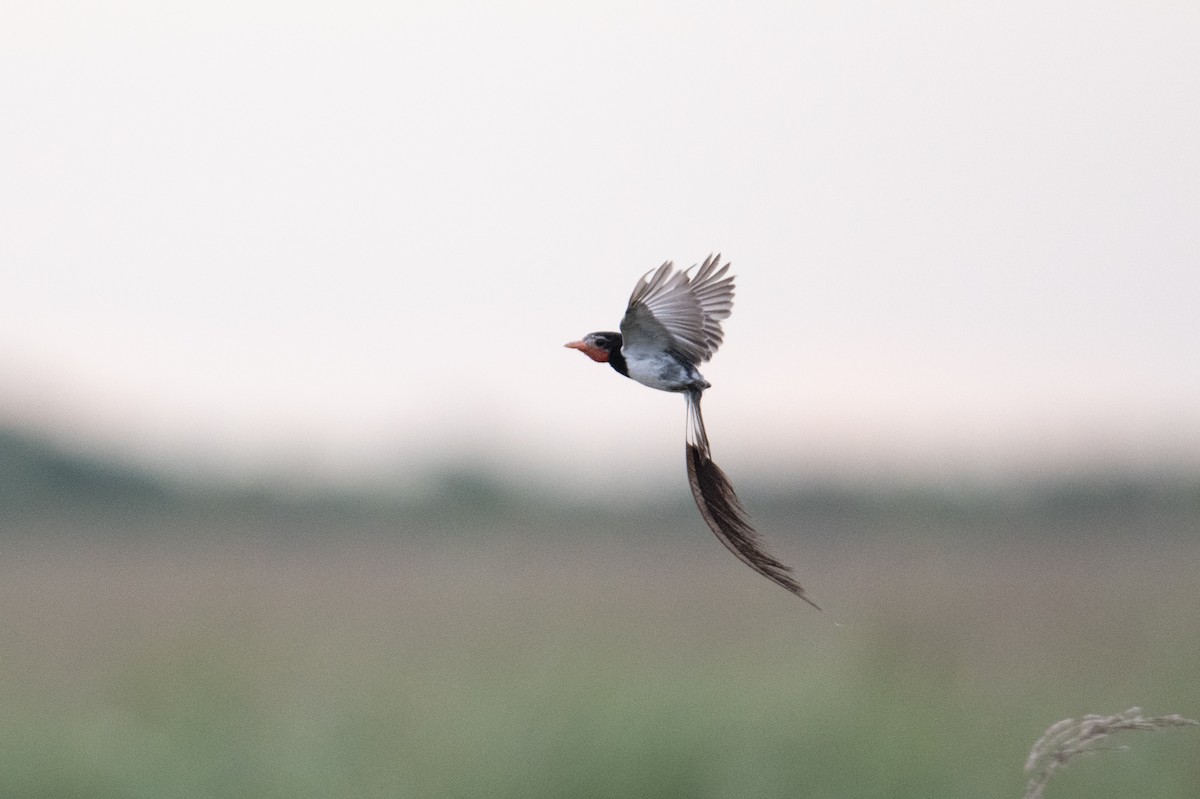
pixel 679 310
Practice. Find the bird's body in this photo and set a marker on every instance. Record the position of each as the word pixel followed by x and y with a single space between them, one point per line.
pixel 664 372
pixel 673 323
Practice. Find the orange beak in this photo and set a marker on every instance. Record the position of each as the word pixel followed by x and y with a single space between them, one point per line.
pixel 595 353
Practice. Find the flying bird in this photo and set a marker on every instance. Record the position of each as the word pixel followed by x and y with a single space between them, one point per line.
pixel 673 323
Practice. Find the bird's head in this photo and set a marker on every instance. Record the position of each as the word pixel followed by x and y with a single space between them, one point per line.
pixel 597 346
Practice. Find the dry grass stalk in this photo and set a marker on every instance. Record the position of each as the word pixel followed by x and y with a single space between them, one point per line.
pixel 1070 737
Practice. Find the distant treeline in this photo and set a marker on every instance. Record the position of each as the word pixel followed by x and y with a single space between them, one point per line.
pixel 36 474
pixel 41 481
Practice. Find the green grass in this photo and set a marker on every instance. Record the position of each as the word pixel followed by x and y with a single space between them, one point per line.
pixel 502 669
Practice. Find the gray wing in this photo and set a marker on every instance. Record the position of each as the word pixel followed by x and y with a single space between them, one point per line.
pixel 675 310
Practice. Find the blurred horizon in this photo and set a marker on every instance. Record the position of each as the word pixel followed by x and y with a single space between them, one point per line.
pixel 40 465
pixel 410 461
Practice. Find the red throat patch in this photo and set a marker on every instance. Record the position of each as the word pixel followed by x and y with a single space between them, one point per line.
pixel 595 353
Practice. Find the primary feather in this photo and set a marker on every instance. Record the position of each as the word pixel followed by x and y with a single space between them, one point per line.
pixel 682 313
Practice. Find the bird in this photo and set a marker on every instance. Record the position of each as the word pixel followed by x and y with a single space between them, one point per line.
pixel 671 325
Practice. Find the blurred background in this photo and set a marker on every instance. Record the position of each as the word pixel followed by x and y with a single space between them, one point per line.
pixel 300 494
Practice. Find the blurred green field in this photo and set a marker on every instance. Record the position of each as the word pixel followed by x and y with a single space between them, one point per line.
pixel 479 663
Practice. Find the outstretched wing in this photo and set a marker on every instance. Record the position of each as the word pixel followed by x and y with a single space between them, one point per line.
pixel 677 311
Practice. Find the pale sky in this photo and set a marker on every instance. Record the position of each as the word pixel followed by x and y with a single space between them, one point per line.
pixel 328 237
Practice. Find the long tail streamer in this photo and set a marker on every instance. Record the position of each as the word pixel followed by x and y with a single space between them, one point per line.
pixel 723 511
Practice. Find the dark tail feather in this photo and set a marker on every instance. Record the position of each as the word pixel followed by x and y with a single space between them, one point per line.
pixel 723 511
